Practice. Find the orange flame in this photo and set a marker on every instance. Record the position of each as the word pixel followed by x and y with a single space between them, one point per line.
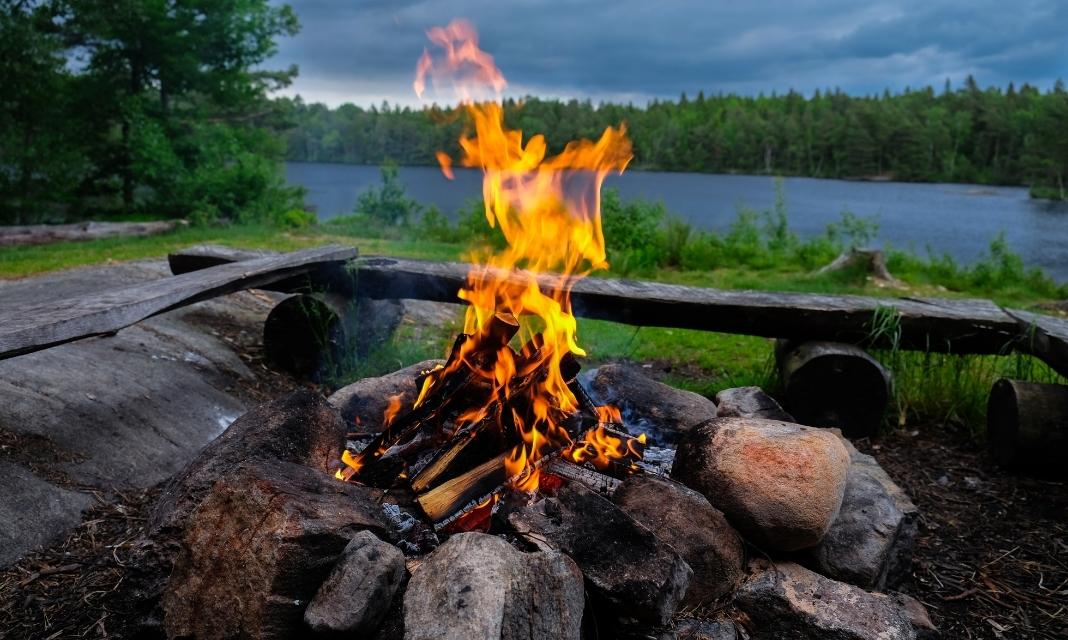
pixel 548 209
pixel 600 448
pixel 352 466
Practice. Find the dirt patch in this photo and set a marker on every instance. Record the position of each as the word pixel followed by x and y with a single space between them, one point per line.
pixel 992 554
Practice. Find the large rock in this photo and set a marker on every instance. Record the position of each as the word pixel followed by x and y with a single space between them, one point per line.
pixel 780 484
pixel 478 586
pixel 259 546
pixel 628 568
pixel 870 543
pixel 684 519
pixel 363 403
pixel 786 600
pixel 299 428
pixel 358 593
pixel 749 402
pixel 34 513
pixel 134 407
pixel 661 412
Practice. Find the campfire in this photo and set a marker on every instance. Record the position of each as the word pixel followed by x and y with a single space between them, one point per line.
pixel 491 494
pixel 505 411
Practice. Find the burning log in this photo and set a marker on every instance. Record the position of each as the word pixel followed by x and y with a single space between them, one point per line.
pixel 1026 426
pixel 831 384
pixel 470 360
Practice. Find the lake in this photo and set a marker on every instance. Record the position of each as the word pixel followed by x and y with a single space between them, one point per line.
pixel 958 219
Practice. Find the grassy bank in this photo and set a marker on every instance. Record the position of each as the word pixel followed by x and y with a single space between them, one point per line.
pixel 644 241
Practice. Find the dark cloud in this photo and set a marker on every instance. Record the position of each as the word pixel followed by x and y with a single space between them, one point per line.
pixel 365 51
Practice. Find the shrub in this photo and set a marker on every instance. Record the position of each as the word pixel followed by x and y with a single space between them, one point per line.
pixel 388 204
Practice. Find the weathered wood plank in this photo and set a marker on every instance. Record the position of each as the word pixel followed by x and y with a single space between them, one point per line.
pixel 330 277
pixel 48 233
pixel 35 327
pixel 959 326
pixel 1044 337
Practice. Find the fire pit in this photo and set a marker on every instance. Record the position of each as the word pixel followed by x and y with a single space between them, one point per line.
pixel 499 494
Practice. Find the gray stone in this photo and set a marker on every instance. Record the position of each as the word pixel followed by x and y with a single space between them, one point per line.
pixel 299 427
pixel 34 513
pixel 690 629
pixel 258 548
pixel 780 484
pixel 363 403
pixel 749 402
pixel 359 590
pixel 685 520
pixel 477 586
pixel 918 616
pixel 870 542
pixel 662 412
pixel 628 568
pixel 135 406
pixel 785 600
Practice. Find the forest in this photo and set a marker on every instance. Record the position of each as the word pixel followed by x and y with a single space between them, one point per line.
pixel 1011 136
pixel 141 107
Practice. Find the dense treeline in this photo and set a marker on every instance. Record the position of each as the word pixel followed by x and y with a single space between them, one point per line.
pixel 131 106
pixel 1011 136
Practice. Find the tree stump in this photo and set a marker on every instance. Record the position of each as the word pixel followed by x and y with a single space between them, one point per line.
pixel 831 384
pixel 1026 426
pixel 872 261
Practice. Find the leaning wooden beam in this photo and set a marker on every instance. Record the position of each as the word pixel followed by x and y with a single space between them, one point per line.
pixel 34 327
pixel 958 326
pixel 332 277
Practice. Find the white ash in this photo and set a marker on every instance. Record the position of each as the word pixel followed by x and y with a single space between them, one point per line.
pixel 658 460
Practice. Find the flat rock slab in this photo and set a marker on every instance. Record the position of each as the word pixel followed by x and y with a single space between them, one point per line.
pixel 134 406
pixel 479 586
pixel 785 600
pixel 123 411
pixel 34 513
pixel 635 574
pixel 665 414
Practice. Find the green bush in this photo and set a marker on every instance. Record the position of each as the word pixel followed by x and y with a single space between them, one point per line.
pixel 388 204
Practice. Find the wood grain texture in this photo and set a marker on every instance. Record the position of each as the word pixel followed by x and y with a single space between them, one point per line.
pixel 1044 337
pixel 929 324
pixel 34 327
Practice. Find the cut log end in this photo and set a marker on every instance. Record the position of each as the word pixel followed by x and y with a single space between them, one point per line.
pixel 1026 426
pixel 830 384
pixel 309 335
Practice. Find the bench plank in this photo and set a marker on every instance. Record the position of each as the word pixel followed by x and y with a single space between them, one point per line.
pixel 34 327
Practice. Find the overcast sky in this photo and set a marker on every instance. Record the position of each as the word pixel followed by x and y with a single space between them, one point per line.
pixel 364 51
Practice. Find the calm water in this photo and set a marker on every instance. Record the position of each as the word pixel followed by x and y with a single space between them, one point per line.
pixel 948 218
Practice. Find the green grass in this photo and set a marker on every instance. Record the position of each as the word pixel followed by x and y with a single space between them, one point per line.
pixel 930 388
